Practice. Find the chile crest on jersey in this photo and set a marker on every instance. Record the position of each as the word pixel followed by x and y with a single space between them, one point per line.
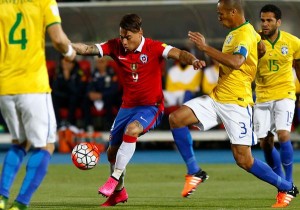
pixel 143 58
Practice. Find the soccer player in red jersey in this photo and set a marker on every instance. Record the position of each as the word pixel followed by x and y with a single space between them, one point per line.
pixel 140 61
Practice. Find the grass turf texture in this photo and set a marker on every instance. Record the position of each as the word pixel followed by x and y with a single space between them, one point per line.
pixel 155 186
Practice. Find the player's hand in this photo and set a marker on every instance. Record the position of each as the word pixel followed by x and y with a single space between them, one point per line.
pixel 198 64
pixel 198 39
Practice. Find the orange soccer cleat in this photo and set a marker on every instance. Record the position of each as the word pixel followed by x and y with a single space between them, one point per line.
pixel 192 181
pixel 283 199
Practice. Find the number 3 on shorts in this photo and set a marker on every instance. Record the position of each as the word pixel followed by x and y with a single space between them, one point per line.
pixel 13 30
pixel 244 129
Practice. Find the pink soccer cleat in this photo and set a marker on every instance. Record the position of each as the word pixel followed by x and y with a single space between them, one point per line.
pixel 120 196
pixel 109 187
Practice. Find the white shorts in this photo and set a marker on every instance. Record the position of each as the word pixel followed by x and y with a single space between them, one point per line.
pixel 236 119
pixel 30 117
pixel 272 116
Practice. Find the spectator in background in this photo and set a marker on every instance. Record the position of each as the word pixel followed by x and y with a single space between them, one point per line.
pixel 210 77
pixel 68 91
pixel 182 83
pixel 103 92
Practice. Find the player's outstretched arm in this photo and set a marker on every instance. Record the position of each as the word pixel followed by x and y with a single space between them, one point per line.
pixel 233 61
pixel 83 49
pixel 60 41
pixel 186 58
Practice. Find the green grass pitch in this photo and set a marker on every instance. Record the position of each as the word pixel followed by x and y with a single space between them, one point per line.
pixel 155 186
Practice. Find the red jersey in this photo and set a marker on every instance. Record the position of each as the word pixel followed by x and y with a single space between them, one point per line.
pixel 141 70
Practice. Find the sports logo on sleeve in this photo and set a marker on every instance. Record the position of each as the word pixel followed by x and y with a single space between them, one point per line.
pixel 143 58
pixel 228 39
pixel 241 50
pixel 54 10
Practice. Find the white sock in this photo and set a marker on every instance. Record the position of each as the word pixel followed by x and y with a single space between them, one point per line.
pixel 122 177
pixel 124 155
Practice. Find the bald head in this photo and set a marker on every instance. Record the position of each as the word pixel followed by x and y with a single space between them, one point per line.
pixel 233 4
pixel 230 13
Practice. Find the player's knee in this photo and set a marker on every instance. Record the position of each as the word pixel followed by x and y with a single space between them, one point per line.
pixel 134 129
pixel 50 147
pixel 174 120
pixel 25 144
pixel 283 135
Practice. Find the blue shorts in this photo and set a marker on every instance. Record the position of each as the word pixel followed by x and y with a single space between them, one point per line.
pixel 148 116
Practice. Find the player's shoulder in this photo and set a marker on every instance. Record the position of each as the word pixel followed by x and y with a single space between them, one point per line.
pixel 242 31
pixel 149 41
pixel 287 35
pixel 151 44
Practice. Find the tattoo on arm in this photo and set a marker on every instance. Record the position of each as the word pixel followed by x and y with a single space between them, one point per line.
pixel 186 57
pixel 83 49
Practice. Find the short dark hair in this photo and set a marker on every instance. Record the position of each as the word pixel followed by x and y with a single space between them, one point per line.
pixel 233 4
pixel 272 8
pixel 131 22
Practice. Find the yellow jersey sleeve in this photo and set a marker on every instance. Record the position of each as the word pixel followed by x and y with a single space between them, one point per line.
pixel 258 38
pixel 51 13
pixel 234 85
pixel 275 80
pixel 22 40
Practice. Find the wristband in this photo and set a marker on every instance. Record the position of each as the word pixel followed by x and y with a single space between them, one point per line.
pixel 69 52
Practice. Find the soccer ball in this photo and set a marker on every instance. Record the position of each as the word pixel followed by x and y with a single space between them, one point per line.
pixel 85 155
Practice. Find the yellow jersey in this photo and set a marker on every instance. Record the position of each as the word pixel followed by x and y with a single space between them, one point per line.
pixel 275 79
pixel 23 25
pixel 234 85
